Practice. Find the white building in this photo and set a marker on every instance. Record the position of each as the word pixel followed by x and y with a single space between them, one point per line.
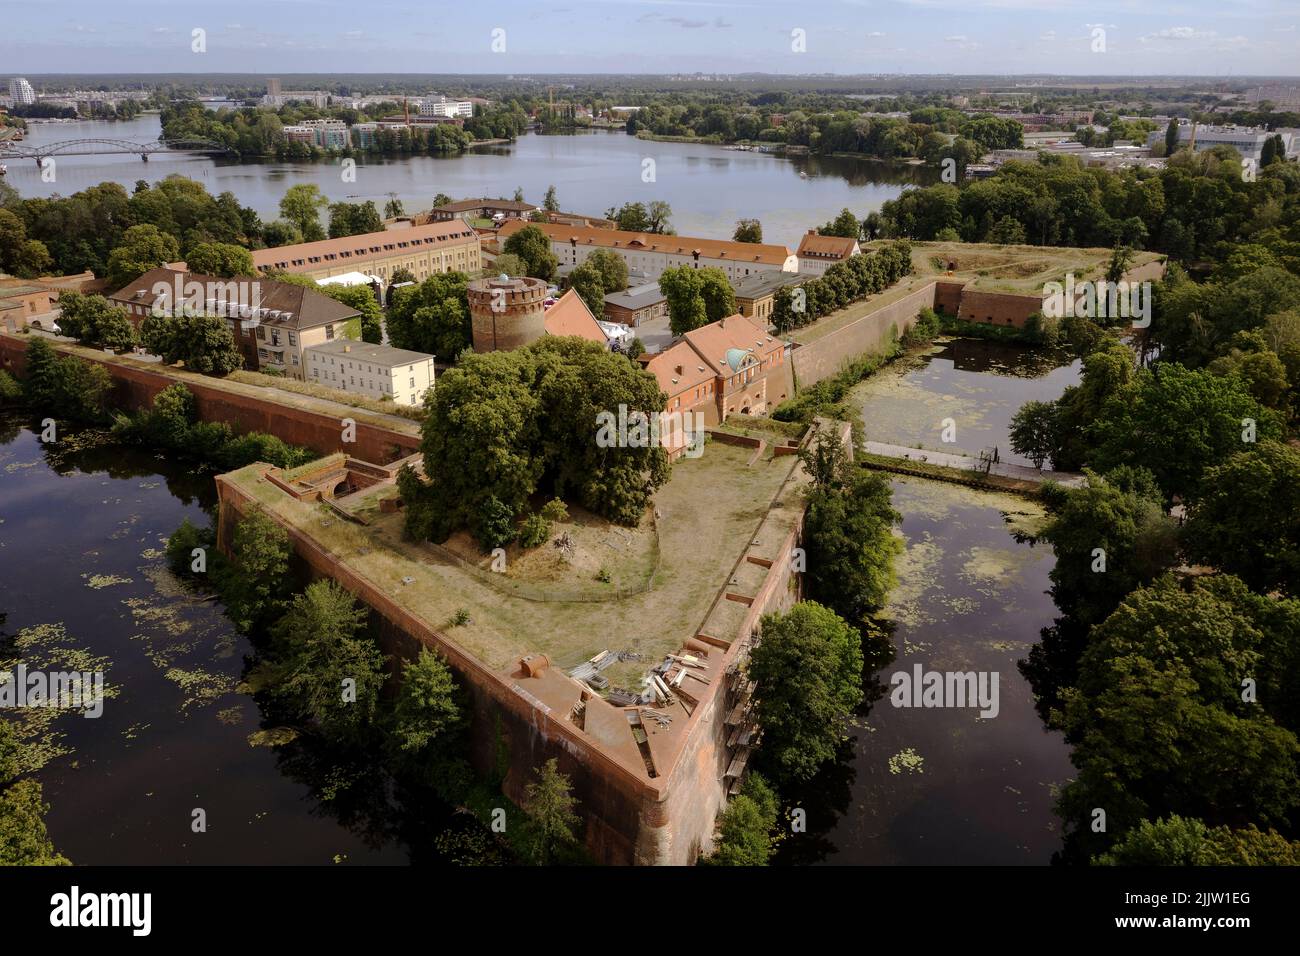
pixel 442 106
pixel 818 253
pixel 371 371
pixel 21 92
pixel 1247 140
pixel 317 98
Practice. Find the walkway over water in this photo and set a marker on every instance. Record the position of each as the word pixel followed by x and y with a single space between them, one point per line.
pixel 968 463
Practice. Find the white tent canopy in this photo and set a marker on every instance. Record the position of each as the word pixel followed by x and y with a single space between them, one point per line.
pixel 350 278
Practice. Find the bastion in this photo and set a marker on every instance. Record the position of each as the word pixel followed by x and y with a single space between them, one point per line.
pixel 550 666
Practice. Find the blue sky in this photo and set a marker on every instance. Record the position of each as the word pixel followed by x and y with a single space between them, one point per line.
pixel 1223 38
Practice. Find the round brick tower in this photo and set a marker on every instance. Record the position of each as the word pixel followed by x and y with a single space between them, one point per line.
pixel 506 313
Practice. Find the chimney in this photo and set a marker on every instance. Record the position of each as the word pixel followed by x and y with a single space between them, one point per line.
pixel 347 348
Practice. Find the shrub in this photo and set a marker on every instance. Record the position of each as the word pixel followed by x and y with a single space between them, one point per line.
pixel 555 510
pixel 495 526
pixel 181 545
pixel 535 530
pixel 10 390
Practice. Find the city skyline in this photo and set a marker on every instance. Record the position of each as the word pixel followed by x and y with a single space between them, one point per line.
pixel 847 37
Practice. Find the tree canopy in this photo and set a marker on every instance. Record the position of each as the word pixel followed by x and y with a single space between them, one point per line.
pixel 524 422
pixel 808 665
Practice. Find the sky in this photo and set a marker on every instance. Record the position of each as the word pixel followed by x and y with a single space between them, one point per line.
pixel 1219 38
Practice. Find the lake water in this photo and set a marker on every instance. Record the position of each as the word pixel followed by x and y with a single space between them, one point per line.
pixel 708 187
pixel 943 785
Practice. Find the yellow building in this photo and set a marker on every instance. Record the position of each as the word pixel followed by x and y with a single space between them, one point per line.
pixel 422 250
pixel 372 371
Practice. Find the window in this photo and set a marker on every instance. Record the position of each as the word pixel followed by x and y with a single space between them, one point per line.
pixel 293 338
pixel 329 333
pixel 412 383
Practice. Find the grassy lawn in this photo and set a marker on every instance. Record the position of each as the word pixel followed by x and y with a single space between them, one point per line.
pixel 1022 269
pixel 709 512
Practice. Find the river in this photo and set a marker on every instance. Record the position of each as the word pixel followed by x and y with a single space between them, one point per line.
pixel 708 187
pixel 943 785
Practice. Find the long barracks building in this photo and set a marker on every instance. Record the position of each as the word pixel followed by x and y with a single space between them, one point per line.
pixel 649 254
pixel 423 250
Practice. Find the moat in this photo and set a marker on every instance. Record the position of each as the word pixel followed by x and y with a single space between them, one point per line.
pixel 943 786
pixel 83 523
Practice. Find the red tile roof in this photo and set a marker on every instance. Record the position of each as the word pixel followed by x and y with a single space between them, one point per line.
pixel 652 242
pixel 826 247
pixel 570 316
pixel 369 245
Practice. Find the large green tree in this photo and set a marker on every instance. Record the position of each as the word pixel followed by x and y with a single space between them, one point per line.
pixel 221 259
pixel 302 205
pixel 748 230
pixel 432 317
pixel 1246 519
pixel 205 343
pixel 612 267
pixel 683 287
pixel 24 839
pixel 256 583
pixel 353 219
pixel 587 281
pixel 718 295
pixel 92 321
pixel 528 421
pixel 361 298
pixel 1182 841
pixel 323 665
pixel 808 665
pixel 746 829
pixel 1109 537
pixel 532 246
pixel 848 533
pixel 142 248
pixel 1177 422
pixel 428 709
pixel 65 386
pixel 553 821
pixel 1161 721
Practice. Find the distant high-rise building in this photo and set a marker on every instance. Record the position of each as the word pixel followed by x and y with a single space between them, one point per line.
pixel 272 86
pixel 21 91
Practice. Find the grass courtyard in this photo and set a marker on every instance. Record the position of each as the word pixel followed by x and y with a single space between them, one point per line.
pixel 707 515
